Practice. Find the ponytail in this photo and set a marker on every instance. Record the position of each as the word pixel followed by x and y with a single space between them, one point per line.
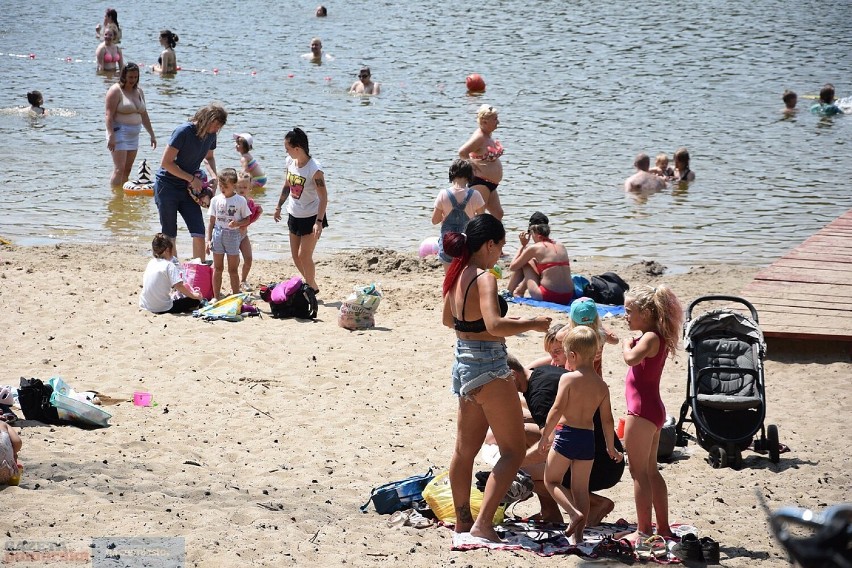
pixel 461 246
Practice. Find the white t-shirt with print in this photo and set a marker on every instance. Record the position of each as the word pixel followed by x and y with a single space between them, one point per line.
pixel 227 209
pixel 303 201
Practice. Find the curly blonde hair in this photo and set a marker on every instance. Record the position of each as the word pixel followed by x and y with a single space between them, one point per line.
pixel 205 116
pixel 665 309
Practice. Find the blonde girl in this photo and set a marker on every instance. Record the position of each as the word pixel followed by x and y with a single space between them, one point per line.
pixel 584 311
pixel 658 315
pixel 229 213
pixel 244 188
pixel 244 143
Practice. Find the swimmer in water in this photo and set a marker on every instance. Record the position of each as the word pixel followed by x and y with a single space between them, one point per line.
pixel 826 106
pixel 36 101
pixel 643 180
pixel 364 86
pixel 790 99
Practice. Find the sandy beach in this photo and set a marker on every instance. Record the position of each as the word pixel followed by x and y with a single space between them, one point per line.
pixel 268 434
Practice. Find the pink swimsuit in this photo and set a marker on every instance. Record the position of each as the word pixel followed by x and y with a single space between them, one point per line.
pixel 642 388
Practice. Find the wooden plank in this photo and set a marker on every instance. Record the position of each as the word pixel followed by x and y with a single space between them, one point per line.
pixel 807 294
pixel 823 254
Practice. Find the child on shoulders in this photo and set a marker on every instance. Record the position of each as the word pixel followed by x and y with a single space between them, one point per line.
pixel 229 213
pixel 163 290
pixel 243 188
pixel 568 437
pixel 244 143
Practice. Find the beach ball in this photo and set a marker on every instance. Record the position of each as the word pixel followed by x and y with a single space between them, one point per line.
pixel 428 247
pixel 475 83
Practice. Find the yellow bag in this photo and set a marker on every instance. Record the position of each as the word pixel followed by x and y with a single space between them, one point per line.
pixel 439 496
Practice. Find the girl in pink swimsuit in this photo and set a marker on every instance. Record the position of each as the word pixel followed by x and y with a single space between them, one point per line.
pixel 657 313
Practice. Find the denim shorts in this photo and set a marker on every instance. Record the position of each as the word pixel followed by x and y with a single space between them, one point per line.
pixel 477 364
pixel 172 199
pixel 127 136
pixel 226 241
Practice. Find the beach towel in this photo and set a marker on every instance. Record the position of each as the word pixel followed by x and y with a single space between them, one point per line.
pixel 227 309
pixel 544 539
pixel 604 310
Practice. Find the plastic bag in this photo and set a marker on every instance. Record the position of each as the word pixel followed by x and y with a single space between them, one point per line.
pixel 199 278
pixel 358 310
pixel 439 496
pixel 71 408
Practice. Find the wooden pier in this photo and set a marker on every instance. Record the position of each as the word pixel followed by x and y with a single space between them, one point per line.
pixel 807 293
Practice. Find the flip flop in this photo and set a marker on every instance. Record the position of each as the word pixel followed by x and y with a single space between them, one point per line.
pixel 398 519
pixel 417 520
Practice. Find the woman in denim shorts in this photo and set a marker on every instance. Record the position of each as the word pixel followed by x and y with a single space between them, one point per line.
pixel 481 377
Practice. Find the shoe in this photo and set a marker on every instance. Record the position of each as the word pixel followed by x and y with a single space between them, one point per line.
pixel 245 287
pixel 398 518
pixel 651 547
pixel 689 548
pixel 620 550
pixel 417 520
pixel 709 550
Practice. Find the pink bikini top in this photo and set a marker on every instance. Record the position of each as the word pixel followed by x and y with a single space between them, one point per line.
pixel 110 58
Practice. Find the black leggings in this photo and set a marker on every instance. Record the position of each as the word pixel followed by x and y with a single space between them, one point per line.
pixel 183 306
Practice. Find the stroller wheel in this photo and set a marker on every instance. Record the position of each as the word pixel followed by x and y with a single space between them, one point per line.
pixel 718 457
pixel 735 460
pixel 772 441
pixel 682 440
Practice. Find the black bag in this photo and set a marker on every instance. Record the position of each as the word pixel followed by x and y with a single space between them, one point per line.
pixel 607 288
pixel 34 398
pixel 302 304
pixel 398 495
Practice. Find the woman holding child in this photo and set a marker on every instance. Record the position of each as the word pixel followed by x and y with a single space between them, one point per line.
pixel 190 144
pixel 481 377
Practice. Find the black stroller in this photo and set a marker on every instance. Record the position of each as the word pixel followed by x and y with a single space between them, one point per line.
pixel 725 388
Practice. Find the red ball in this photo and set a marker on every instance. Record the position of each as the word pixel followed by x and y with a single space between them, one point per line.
pixel 475 83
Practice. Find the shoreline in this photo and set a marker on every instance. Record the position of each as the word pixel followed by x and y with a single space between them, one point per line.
pixel 268 434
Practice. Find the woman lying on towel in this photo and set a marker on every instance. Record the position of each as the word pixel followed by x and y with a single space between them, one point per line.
pixel 542 268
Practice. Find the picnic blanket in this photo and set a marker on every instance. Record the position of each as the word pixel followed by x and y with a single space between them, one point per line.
pixel 604 310
pixel 544 539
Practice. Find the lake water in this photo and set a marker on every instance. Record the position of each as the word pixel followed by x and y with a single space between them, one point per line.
pixel 581 88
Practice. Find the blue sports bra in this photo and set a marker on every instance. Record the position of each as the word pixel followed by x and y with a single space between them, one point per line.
pixel 477 326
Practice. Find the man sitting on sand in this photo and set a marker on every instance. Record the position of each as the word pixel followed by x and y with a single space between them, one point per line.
pixel 364 85
pixel 643 180
pixel 539 386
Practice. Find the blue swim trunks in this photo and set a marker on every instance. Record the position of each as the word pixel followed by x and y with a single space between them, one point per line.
pixel 574 443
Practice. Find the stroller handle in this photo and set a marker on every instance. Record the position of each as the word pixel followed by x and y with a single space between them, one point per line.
pixel 736 299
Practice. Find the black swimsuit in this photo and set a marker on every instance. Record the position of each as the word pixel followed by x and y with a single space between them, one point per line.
pixel 477 326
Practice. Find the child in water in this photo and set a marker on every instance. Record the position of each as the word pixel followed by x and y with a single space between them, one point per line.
pixel 243 188
pixel 36 100
pixel 244 143
pixel 661 168
pixel 572 442
pixel 658 315
pixel 826 106
pixel 229 213
pixel 790 99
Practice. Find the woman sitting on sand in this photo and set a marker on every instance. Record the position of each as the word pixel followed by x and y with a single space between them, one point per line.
pixel 543 268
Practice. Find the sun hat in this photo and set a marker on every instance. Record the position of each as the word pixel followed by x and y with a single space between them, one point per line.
pixel 247 137
pixel 584 311
pixel 539 218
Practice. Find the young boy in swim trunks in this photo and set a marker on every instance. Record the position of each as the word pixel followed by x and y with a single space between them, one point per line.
pixel 573 428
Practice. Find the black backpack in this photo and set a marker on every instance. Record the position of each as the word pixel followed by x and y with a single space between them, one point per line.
pixel 34 398
pixel 302 304
pixel 607 288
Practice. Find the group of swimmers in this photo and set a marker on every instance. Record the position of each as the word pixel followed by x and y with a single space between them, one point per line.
pixel 825 106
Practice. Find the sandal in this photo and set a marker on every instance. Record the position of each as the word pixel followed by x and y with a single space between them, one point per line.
pixel 398 519
pixel 651 547
pixel 620 550
pixel 417 520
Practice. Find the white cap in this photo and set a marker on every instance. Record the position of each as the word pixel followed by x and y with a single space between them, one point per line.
pixel 247 137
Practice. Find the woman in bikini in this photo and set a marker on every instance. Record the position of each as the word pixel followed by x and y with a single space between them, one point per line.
pixel 484 153
pixel 681 162
pixel 543 268
pixel 108 54
pixel 125 116
pixel 481 378
pixel 167 63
